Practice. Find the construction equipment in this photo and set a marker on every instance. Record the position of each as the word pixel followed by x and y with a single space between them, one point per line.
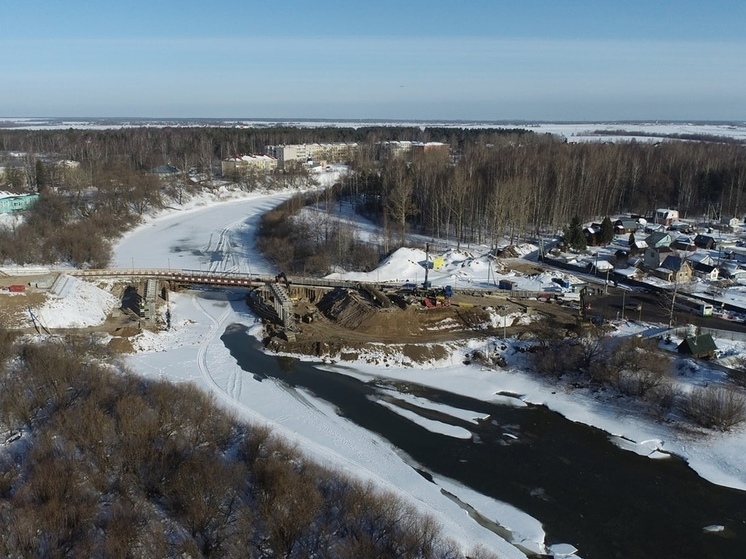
pixel 284 278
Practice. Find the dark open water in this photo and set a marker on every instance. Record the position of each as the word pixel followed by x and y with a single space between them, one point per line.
pixel 586 491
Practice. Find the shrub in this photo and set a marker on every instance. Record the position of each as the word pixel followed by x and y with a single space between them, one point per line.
pixel 716 407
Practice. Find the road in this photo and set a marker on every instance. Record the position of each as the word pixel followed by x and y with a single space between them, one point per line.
pixel 653 308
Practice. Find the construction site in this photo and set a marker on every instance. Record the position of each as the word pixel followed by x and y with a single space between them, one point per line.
pixel 339 321
pixel 309 316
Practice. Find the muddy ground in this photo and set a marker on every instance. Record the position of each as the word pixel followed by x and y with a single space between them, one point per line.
pixel 416 331
pixel 344 329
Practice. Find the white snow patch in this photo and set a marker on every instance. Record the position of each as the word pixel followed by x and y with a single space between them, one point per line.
pixel 430 424
pixel 77 304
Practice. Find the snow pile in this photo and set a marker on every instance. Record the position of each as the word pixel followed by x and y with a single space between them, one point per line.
pixel 458 268
pixel 76 304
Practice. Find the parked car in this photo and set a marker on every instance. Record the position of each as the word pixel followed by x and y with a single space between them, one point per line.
pixel 633 306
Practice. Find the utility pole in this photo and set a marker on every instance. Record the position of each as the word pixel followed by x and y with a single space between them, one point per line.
pixel 673 303
pixel 427 265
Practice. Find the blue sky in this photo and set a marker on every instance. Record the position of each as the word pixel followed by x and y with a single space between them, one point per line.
pixel 405 59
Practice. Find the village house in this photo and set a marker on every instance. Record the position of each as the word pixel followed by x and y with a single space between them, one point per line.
pixel 654 257
pixel 659 239
pixel 683 243
pixel 625 225
pixel 704 241
pixel 701 257
pixel 621 258
pixel 674 269
pixel 165 172
pixel 666 216
pixel 593 234
pixel 681 227
pixel 10 202
pixel 731 270
pixel 638 247
pixel 653 227
pixel 730 223
pixel 705 272
pixel 701 347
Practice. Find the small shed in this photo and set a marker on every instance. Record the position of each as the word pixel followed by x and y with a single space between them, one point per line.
pixel 702 346
pixel 506 284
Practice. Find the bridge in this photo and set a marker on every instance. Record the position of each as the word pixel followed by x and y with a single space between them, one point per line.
pixel 271 297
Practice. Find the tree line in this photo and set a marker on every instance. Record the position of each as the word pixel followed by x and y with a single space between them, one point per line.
pixel 99 462
pixel 494 184
pixel 201 147
pixel 518 186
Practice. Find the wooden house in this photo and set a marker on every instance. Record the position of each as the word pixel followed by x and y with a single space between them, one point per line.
pixel 705 272
pixel 625 225
pixel 674 269
pixel 702 346
pixel 659 239
pixel 704 241
pixel 654 257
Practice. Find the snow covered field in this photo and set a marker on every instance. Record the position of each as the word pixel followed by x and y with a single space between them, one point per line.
pixel 572 131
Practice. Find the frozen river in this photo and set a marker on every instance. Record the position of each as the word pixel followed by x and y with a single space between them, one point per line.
pixel 452 453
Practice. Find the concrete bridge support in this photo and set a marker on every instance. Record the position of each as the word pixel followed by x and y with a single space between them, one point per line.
pixel 148 303
pixel 282 304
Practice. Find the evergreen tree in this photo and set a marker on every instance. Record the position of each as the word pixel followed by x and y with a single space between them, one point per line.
pixel 607 231
pixel 574 236
pixel 41 176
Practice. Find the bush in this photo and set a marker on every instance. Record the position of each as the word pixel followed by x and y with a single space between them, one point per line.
pixel 111 464
pixel 716 407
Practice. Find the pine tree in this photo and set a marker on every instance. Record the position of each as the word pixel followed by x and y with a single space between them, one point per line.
pixel 574 236
pixel 607 231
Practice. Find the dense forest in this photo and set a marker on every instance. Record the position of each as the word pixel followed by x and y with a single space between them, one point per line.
pixel 99 462
pixel 494 184
pixel 518 186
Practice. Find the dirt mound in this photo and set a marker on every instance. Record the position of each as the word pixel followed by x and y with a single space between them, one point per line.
pixel 347 308
pixel 507 252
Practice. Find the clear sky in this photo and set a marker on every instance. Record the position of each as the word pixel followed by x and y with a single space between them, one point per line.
pixel 384 59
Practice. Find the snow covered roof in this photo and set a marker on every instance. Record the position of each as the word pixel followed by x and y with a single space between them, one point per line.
pixel 5 194
pixel 248 158
pixel 700 256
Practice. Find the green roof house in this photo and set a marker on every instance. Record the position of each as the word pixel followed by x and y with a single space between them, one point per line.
pixel 702 346
pixel 10 202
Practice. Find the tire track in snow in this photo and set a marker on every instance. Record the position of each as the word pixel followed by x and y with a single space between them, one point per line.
pixel 323 452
